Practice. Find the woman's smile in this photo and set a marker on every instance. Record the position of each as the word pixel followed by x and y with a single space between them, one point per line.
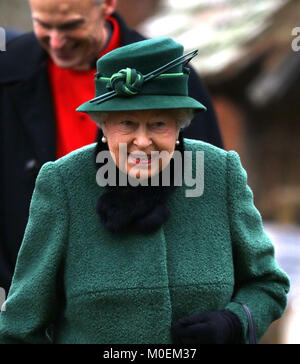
pixel 142 159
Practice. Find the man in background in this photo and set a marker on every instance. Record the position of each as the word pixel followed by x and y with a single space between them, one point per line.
pixel 44 77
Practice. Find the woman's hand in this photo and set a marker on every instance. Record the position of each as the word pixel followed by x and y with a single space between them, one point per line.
pixel 220 327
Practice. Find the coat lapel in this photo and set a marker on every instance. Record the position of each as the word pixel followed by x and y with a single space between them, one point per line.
pixel 37 116
pixel 30 91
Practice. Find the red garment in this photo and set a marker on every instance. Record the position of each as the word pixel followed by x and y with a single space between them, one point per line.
pixel 71 88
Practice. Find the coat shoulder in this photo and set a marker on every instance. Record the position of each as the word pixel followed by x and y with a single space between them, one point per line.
pixel 17 64
pixel 76 165
pixel 210 151
pixel 212 159
pixel 84 156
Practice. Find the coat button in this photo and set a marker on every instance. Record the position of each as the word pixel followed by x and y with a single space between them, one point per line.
pixel 32 167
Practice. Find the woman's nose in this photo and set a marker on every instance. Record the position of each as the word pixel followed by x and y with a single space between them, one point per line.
pixel 142 139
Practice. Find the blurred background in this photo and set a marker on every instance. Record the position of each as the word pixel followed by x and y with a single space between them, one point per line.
pixel 252 73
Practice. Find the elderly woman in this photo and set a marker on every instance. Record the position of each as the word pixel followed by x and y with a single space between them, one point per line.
pixel 111 255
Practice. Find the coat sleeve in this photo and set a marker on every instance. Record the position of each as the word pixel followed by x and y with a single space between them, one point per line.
pixel 32 301
pixel 259 282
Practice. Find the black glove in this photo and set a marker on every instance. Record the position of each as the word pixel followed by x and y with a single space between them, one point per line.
pixel 220 327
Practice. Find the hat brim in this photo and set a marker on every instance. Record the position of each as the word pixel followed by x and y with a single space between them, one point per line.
pixel 143 102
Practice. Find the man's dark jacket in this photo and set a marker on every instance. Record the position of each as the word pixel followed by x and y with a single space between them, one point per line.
pixel 11 34
pixel 27 134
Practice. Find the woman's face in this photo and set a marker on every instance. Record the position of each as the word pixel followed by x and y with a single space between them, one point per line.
pixel 133 136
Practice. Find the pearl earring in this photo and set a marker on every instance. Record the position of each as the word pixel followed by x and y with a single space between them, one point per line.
pixel 104 140
pixel 177 142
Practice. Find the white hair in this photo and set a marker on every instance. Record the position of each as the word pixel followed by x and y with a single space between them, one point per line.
pixel 183 117
pixel 98 117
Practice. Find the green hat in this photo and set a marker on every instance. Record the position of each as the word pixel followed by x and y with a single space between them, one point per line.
pixel 145 75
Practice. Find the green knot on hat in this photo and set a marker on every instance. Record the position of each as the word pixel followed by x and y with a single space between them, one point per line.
pixel 145 75
pixel 126 82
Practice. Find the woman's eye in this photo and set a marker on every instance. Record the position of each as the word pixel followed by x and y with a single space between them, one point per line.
pixel 159 124
pixel 126 123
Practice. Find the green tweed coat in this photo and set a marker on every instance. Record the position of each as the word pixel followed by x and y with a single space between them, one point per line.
pixel 99 287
